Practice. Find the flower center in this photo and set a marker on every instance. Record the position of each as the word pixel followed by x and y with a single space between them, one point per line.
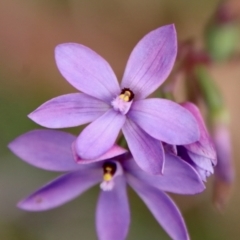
pixel 123 102
pixel 126 95
pixel 111 170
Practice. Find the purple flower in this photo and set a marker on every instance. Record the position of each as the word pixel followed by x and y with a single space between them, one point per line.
pixel 111 107
pixel 51 150
pixel 224 172
pixel 222 140
pixel 201 154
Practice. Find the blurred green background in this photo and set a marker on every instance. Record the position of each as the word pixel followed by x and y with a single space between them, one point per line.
pixel 29 31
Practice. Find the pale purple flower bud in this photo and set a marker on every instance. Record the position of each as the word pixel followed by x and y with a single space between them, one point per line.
pixel 224 171
pixel 201 154
pixel 222 140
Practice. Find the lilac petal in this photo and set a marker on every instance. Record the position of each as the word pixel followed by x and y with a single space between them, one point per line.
pixel 68 110
pixel 163 209
pixel 179 177
pixel 113 214
pixel 151 61
pixel 61 190
pixel 204 146
pixel 147 151
pixel 46 149
pixel 87 71
pixel 98 137
pixel 165 120
pixel 114 151
pixel 201 161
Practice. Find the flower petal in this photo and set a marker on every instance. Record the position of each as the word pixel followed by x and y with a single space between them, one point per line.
pixel 87 71
pixel 179 177
pixel 113 214
pixel 202 162
pixel 98 137
pixel 151 61
pixel 163 209
pixel 68 110
pixel 204 146
pixel 61 190
pixel 147 151
pixel 46 149
pixel 114 151
pixel 165 120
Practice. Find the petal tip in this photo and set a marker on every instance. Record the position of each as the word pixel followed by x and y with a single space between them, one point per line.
pixel 23 206
pixel 172 26
pixel 11 146
pixel 62 49
pixel 57 48
pixel 33 116
pixel 20 205
pixel 171 29
pixel 32 205
pixel 62 45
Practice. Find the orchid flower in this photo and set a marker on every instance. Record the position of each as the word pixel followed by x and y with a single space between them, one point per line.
pixel 201 154
pixel 52 150
pixel 111 107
